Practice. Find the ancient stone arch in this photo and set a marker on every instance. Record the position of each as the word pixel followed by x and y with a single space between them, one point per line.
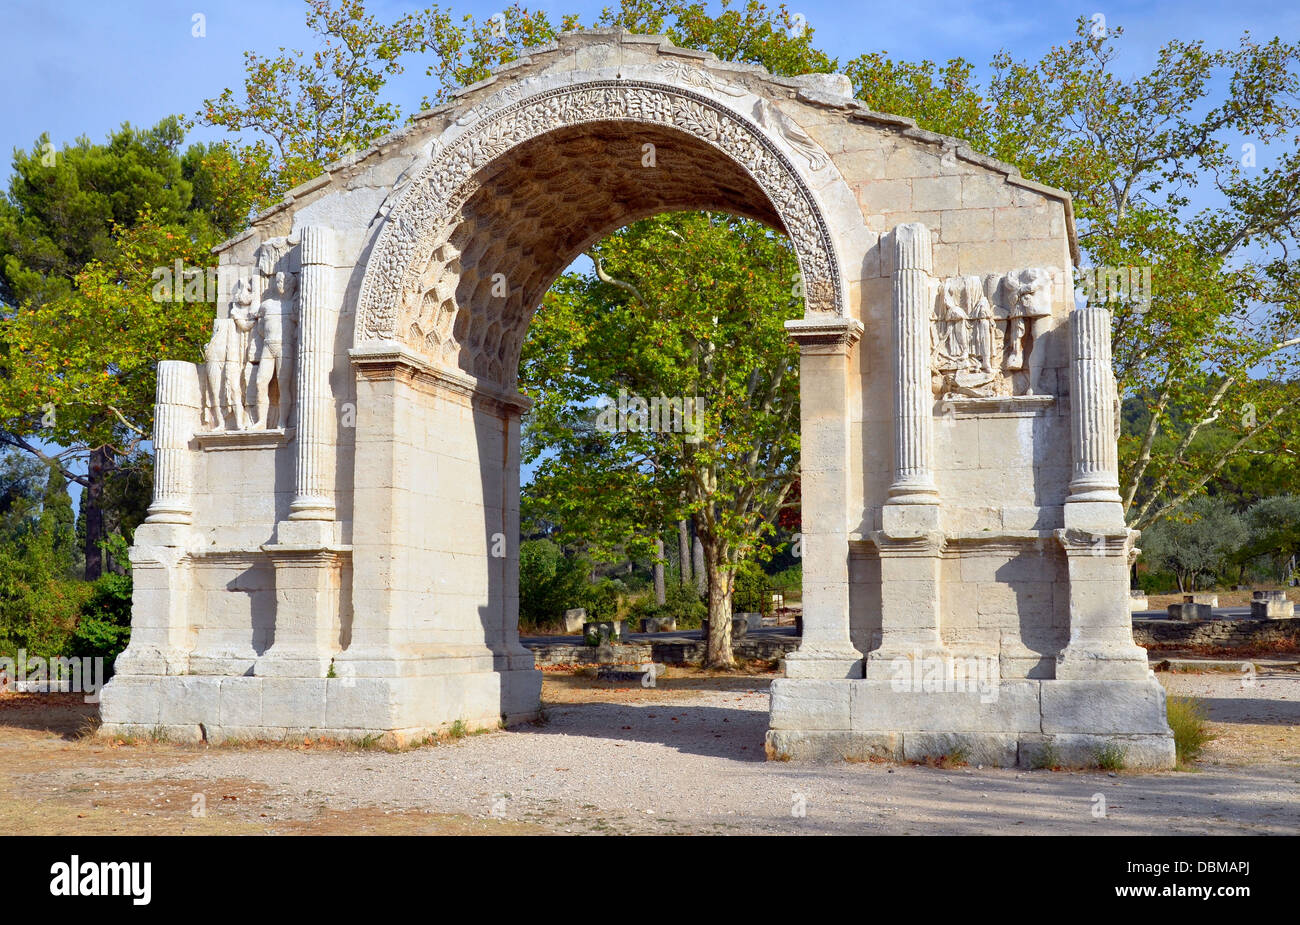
pixel 332 546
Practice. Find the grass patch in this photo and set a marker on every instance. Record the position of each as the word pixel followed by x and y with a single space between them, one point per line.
pixel 959 757
pixel 1048 758
pixel 1110 757
pixel 1188 720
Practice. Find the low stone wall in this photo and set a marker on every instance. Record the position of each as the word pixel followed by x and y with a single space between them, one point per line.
pixel 576 653
pixel 671 651
pixel 1217 633
pixel 691 651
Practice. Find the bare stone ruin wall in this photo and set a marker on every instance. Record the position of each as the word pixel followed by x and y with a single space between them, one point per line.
pixel 1228 634
pixel 329 565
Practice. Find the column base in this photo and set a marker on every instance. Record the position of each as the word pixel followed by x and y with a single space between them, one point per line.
pixel 1117 662
pixel 989 721
pixel 836 662
pixel 191 708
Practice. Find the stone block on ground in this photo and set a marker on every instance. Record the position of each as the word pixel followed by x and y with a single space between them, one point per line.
pixel 601 632
pixel 1190 611
pixel 1271 605
pixel 574 619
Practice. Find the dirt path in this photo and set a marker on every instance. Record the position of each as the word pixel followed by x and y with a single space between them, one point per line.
pixel 685 757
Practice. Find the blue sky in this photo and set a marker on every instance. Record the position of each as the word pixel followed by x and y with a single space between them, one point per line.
pixel 76 67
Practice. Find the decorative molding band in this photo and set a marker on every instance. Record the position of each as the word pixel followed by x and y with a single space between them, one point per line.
pixel 215 440
pixel 1016 405
pixel 389 360
pixel 825 335
pixel 432 198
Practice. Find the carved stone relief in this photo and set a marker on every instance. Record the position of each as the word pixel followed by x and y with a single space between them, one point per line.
pixel 982 330
pixel 248 365
pixel 416 267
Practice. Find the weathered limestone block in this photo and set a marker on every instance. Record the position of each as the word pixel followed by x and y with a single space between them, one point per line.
pixel 995 749
pixel 1099 707
pixel 574 619
pixel 808 704
pixel 602 632
pixel 982 705
pixel 1190 611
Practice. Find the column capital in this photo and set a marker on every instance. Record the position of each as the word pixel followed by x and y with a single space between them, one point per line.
pixel 912 248
pixel 829 335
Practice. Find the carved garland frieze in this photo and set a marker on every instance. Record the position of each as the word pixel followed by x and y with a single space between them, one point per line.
pixel 419 223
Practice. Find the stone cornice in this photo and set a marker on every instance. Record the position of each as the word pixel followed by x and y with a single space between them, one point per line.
pixel 244 439
pixel 831 334
pixel 389 360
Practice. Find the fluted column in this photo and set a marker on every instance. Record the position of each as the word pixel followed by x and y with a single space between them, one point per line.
pixel 910 542
pixel 315 413
pixel 1093 408
pixel 176 413
pixel 1096 540
pixel 913 398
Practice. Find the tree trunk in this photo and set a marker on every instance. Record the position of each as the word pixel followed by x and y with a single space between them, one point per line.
pixel 684 551
pixel 718 653
pixel 661 594
pixel 97 471
pixel 701 573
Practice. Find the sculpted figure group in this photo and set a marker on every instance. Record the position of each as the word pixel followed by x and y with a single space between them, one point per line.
pixel 250 359
pixel 983 329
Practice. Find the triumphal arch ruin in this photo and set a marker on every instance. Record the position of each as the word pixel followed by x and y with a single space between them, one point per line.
pixel 332 480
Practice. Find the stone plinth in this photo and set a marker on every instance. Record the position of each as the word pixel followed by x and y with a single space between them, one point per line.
pixel 1189 610
pixel 574 618
pixel 1271 605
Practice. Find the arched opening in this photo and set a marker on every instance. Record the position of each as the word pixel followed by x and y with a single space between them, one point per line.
pixel 477 267
pixel 533 210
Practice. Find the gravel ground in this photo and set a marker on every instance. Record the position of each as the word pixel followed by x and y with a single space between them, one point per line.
pixel 693 761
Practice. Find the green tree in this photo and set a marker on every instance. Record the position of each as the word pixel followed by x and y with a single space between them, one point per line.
pixel 84 234
pixel 59 522
pixel 707 329
pixel 1198 541
pixel 308 109
pixel 1274 534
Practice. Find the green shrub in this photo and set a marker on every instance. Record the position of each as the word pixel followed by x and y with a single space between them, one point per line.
pixel 1188 720
pixel 601 599
pixel 680 601
pixel 38 612
pixel 104 627
pixel 752 591
pixel 1110 757
pixel 549 582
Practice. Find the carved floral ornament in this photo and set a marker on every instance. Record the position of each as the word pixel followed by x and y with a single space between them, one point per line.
pixel 418 223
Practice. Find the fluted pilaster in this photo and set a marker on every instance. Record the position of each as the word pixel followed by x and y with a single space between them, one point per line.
pixel 1093 408
pixel 913 399
pixel 315 413
pixel 176 414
